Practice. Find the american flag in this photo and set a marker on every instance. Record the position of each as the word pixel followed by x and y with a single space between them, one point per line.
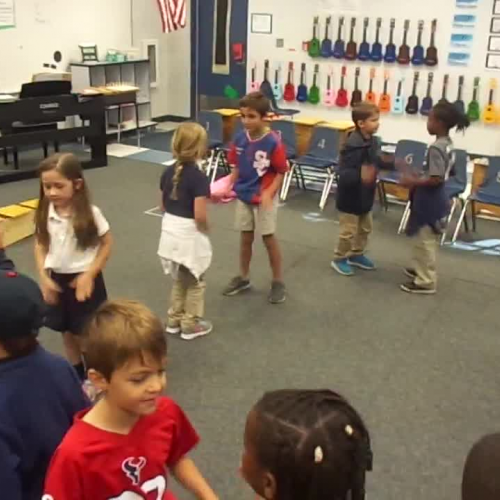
pixel 173 14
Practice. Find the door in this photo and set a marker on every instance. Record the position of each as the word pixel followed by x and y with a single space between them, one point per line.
pixel 218 78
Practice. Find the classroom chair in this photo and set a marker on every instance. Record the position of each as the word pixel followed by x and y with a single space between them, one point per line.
pixel 267 91
pixel 488 194
pixel 212 122
pixel 286 130
pixel 413 153
pixel 320 161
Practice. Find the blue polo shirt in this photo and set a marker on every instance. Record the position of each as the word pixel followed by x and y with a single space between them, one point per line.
pixel 258 161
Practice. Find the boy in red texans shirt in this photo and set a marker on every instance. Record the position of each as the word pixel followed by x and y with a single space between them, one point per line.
pixel 258 160
pixel 122 447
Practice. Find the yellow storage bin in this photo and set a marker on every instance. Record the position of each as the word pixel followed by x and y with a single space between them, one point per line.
pixel 17 223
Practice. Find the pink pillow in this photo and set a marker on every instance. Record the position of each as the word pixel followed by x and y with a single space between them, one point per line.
pixel 220 188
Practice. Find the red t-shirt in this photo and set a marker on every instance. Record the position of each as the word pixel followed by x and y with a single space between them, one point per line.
pixel 93 464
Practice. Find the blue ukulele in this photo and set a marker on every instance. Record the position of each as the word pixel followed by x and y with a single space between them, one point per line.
pixel 427 101
pixel 326 44
pixel 302 89
pixel 376 54
pixel 390 50
pixel 418 56
pixel 339 46
pixel 364 47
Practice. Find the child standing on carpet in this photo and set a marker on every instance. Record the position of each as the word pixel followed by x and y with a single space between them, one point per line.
pixel 122 447
pixel 306 444
pixel 429 204
pixel 72 246
pixel 357 179
pixel 185 249
pixel 258 162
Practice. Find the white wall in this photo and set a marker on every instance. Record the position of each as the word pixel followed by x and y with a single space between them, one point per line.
pixel 292 20
pixel 172 97
pixel 44 26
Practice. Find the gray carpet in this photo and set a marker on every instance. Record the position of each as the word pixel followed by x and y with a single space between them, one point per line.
pixel 422 370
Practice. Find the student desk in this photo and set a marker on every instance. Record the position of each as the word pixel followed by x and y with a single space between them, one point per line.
pixel 478 175
pixel 303 127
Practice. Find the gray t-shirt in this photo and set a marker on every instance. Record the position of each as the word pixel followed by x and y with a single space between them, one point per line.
pixel 440 158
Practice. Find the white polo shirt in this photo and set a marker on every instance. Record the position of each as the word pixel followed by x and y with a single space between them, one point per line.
pixel 64 255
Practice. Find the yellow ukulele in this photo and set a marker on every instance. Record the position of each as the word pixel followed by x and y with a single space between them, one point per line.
pixel 490 113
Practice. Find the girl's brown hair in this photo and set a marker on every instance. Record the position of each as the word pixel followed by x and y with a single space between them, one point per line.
pixel 189 144
pixel 84 224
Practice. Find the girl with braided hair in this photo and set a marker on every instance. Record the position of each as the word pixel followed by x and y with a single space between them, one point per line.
pixel 185 250
pixel 306 445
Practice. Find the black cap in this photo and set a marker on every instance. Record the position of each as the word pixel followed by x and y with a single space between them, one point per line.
pixel 21 306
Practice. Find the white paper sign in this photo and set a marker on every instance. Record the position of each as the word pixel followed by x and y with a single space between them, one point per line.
pixel 340 5
pixel 7 17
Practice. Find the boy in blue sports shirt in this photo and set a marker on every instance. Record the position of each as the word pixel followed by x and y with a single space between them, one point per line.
pixel 39 392
pixel 258 160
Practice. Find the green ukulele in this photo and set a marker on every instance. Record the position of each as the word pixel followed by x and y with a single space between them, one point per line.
pixel 473 111
pixel 314 93
pixel 314 48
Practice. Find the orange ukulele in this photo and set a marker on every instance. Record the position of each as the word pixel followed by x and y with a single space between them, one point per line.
pixel 384 103
pixel 490 114
pixel 370 95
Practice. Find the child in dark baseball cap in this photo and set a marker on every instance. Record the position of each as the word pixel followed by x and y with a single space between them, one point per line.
pixel 39 391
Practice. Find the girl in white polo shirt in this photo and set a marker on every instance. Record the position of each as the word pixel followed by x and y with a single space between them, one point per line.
pixel 72 245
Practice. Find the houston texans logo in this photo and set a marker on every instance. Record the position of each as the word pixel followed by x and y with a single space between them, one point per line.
pixel 132 467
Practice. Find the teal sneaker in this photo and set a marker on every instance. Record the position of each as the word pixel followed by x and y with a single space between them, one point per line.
pixel 362 262
pixel 343 267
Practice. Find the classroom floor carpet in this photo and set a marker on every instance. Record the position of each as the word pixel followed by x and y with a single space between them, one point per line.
pixel 422 370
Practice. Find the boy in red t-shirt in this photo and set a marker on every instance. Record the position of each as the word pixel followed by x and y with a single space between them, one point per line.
pixel 122 447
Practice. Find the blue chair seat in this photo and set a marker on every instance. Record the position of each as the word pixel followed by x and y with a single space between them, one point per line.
pixel 214 143
pixel 286 112
pixel 391 177
pixel 452 191
pixel 485 198
pixel 314 162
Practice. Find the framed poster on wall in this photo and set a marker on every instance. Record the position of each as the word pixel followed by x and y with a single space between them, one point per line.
pixel 262 24
pixel 495 25
pixel 494 44
pixel 493 61
pixel 7 14
pixel 496 8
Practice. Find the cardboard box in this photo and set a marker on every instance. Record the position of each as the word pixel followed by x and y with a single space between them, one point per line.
pixel 17 223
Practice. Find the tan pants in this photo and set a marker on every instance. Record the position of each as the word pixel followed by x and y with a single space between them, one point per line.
pixel 187 301
pixel 424 257
pixel 354 232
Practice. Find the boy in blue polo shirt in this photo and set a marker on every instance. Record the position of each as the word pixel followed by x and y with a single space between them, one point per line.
pixel 39 391
pixel 258 160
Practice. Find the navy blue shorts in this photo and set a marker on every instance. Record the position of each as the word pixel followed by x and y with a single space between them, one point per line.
pixel 69 315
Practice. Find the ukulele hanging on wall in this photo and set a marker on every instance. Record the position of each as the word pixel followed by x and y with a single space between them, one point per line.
pixel 302 89
pixel 364 47
pixel 314 95
pixel 431 56
pixel 289 93
pixel 356 96
pixel 342 99
pixel 351 51
pixel 376 54
pixel 473 110
pixel 254 84
pixel 265 87
pixel 413 101
pixel 490 114
pixel 404 49
pixel 371 97
pixel 384 103
pixel 459 103
pixel 326 44
pixel 427 101
pixel 314 45
pixel 444 98
pixel 390 49
pixel 398 103
pixel 329 98
pixel 277 90
pixel 339 45
pixel 417 59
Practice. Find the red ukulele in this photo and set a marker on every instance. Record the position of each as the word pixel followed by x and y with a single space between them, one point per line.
pixel 342 98
pixel 289 93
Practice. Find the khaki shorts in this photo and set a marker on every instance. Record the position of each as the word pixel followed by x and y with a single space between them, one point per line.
pixel 252 217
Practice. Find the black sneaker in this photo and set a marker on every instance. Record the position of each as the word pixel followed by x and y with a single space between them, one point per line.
pixel 235 286
pixel 277 294
pixel 411 287
pixel 411 273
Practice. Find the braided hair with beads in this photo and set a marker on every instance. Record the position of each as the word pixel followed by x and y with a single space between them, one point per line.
pixel 314 443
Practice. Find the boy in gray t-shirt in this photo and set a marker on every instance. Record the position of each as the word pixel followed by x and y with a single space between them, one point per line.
pixel 429 204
